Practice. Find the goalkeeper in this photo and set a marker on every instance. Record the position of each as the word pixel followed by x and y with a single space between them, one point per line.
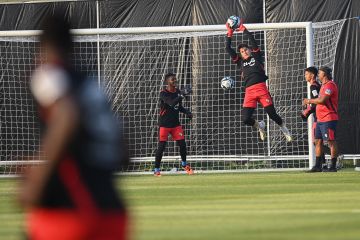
pixel 250 62
pixel 310 77
pixel 170 106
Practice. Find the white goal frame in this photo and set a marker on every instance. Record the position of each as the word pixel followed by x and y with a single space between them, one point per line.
pixel 176 29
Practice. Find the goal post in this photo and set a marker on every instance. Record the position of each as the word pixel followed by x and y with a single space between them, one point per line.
pixel 131 63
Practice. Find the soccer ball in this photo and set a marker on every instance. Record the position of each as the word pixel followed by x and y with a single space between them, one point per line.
pixel 227 83
pixel 234 22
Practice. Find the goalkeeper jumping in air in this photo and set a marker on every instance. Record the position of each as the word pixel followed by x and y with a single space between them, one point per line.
pixel 252 70
pixel 169 124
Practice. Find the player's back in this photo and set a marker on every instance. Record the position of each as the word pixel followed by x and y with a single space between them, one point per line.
pixel 93 152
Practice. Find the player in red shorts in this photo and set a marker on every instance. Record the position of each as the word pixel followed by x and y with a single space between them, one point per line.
pixel 72 195
pixel 253 74
pixel 169 124
pixel 310 77
pixel 327 118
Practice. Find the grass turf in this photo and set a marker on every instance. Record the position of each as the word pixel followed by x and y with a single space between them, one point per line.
pixel 229 206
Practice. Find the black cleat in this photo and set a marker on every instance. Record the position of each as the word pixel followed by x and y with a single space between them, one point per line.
pixel 314 169
pixel 332 169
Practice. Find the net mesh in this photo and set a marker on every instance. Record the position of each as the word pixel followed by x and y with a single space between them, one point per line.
pixel 132 68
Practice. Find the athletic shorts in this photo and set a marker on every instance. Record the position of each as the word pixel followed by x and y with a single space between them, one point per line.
pixel 326 130
pixel 61 224
pixel 257 93
pixel 177 133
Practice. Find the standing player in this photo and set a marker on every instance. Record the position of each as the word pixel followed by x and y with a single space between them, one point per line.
pixel 310 77
pixel 327 118
pixel 170 106
pixel 253 74
pixel 72 195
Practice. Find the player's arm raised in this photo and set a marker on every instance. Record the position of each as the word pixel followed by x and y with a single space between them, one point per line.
pixel 229 49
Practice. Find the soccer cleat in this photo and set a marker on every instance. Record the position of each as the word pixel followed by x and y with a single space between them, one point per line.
pixel 262 130
pixel 157 174
pixel 331 169
pixel 314 169
pixel 286 133
pixel 188 170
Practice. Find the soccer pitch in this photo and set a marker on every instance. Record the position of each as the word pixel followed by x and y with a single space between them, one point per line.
pixel 255 206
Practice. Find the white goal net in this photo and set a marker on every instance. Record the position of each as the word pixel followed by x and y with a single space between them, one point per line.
pixel 131 66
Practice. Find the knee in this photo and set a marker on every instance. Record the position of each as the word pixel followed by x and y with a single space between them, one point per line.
pixel 247 121
pixel 161 146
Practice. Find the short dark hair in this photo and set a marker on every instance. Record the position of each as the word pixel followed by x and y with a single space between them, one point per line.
pixel 242 45
pixel 169 75
pixel 312 70
pixel 327 71
pixel 56 31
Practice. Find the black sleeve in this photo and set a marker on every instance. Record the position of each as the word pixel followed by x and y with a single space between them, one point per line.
pixel 183 110
pixel 171 102
pixel 253 44
pixel 231 51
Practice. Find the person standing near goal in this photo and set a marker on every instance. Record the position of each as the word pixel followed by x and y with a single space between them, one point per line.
pixel 253 74
pixel 169 124
pixel 327 118
pixel 73 195
pixel 310 77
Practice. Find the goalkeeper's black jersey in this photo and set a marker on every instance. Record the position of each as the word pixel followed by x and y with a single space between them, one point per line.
pixel 170 106
pixel 252 69
pixel 314 93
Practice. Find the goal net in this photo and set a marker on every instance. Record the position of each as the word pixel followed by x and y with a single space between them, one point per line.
pixel 130 65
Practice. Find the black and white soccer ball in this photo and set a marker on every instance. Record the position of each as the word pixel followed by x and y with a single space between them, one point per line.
pixel 227 83
pixel 234 22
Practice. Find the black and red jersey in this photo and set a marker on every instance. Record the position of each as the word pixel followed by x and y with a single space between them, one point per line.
pixel 328 111
pixel 83 178
pixel 314 93
pixel 170 106
pixel 252 69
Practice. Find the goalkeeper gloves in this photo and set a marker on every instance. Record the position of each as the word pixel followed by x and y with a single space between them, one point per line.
pixel 241 28
pixel 230 31
pixel 185 91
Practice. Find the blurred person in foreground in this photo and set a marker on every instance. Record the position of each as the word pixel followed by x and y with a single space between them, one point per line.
pixel 72 195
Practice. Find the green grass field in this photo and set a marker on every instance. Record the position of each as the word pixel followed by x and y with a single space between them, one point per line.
pixel 229 206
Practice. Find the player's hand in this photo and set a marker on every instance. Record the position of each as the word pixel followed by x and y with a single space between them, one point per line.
pixel 189 115
pixel 230 31
pixel 303 117
pixel 241 28
pixel 305 101
pixel 306 113
pixel 186 91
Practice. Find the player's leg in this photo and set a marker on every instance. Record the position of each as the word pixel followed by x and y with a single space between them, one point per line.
pixel 271 112
pixel 178 135
pixel 318 149
pixel 329 136
pixel 323 159
pixel 248 120
pixel 158 156
pixel 163 136
pixel 264 97
pixel 183 153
